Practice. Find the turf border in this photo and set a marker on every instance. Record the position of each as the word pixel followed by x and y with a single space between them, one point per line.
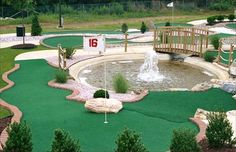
pixel 17 114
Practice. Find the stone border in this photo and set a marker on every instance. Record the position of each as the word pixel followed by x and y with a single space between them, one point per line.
pixel 17 114
pixel 5 78
pixel 202 128
pixel 75 92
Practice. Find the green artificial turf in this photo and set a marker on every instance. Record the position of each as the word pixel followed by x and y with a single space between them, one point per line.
pixel 224 55
pixel 45 109
pixel 231 25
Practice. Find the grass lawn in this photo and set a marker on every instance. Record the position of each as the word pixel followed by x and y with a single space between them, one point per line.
pixel 45 109
pixel 231 25
pixel 7 56
pixel 4 112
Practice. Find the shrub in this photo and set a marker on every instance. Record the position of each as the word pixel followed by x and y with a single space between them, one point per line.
pixel 219 130
pixel 184 140
pixel 70 52
pixel 208 56
pixel 61 76
pixel 167 24
pixel 19 139
pixel 101 94
pixel 35 27
pixel 211 20
pixel 120 83
pixel 124 28
pixel 24 46
pixel 129 141
pixel 215 42
pixel 231 17
pixel 143 28
pixel 220 18
pixel 64 143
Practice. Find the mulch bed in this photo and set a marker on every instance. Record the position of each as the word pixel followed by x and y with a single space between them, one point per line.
pixel 4 122
pixel 205 148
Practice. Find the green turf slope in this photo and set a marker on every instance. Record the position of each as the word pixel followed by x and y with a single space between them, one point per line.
pixel 45 109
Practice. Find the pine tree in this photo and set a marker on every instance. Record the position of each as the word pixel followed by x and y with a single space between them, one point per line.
pixel 35 27
pixel 129 141
pixel 143 28
pixel 64 143
pixel 124 28
pixel 19 139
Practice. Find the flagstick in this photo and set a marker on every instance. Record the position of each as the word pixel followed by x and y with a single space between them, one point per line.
pixel 105 77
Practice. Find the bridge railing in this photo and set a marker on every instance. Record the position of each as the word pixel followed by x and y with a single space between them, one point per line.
pixel 225 56
pixel 181 40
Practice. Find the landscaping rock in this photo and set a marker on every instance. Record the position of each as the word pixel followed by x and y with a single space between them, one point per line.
pixel 202 87
pixel 201 114
pixel 101 105
pixel 229 87
pixel 232 68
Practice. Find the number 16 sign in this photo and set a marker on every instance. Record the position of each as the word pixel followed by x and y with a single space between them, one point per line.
pixel 94 43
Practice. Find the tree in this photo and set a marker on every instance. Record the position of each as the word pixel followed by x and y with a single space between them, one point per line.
pixel 143 28
pixel 184 140
pixel 35 27
pixel 64 143
pixel 129 141
pixel 19 139
pixel 124 28
pixel 219 130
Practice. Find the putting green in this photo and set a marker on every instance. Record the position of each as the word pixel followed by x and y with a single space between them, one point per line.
pixel 71 41
pixel 45 109
pixel 231 25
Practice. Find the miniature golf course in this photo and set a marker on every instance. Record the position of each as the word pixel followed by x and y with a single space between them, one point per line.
pixel 45 109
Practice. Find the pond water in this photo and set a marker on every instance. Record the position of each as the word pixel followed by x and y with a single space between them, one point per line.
pixel 176 75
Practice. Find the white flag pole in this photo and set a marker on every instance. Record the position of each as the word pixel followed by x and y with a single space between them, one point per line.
pixel 105 78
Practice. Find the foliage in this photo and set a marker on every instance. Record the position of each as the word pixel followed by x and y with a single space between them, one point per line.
pixel 70 52
pixel 24 46
pixel 220 18
pixel 208 57
pixel 219 131
pixel 35 27
pixel 101 94
pixel 167 24
pixel 215 41
pixel 129 141
pixel 120 83
pixel 19 139
pixel 231 17
pixel 64 143
pixel 124 27
pixel 220 6
pixel 143 28
pixel 184 140
pixel 211 20
pixel 21 4
pixel 61 76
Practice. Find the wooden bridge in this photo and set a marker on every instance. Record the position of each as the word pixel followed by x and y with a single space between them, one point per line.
pixel 185 40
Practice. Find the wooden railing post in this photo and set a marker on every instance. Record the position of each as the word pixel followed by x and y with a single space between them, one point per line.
pixel 201 40
pixel 219 52
pixel 231 54
pixel 126 41
pixel 154 39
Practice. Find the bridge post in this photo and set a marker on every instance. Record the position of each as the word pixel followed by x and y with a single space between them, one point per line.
pixel 155 39
pixel 201 43
pixel 219 52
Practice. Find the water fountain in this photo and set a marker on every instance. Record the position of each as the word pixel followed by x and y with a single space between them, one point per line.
pixel 149 71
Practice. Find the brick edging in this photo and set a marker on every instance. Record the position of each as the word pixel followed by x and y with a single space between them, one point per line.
pixel 17 114
pixel 5 78
pixel 202 128
pixel 72 96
